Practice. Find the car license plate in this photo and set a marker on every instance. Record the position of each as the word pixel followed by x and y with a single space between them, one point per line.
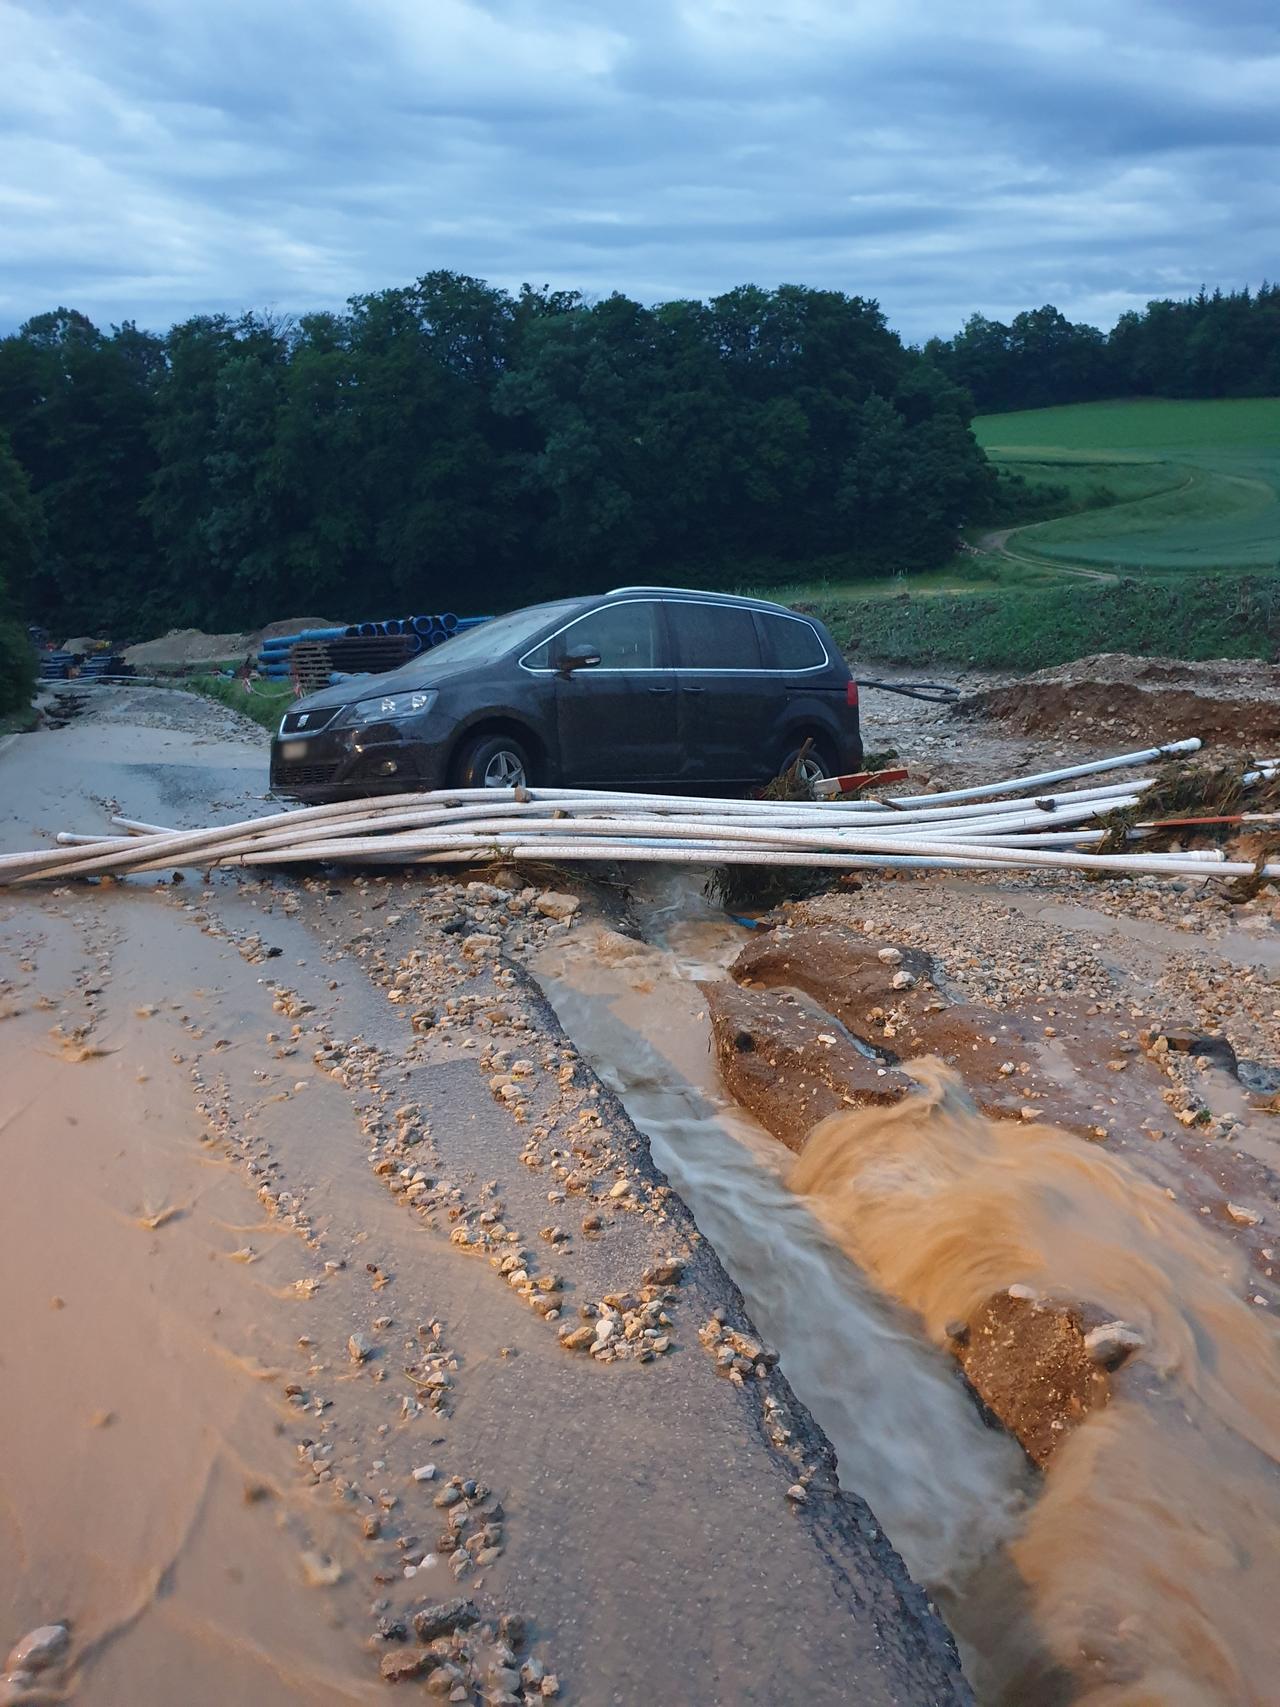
pixel 293 749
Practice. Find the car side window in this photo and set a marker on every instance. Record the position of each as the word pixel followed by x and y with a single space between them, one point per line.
pixel 714 637
pixel 624 636
pixel 793 643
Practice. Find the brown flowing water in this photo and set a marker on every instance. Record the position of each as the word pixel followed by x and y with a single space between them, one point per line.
pixel 1141 1569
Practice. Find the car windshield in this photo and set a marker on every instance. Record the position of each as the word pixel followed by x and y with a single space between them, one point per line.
pixel 500 634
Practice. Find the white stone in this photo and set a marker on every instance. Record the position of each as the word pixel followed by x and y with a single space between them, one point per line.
pixel 1112 1342
pixel 1244 1217
pixel 557 905
pixel 487 892
pixel 39 1648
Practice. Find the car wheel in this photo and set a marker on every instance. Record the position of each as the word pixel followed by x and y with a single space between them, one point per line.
pixel 810 760
pixel 493 761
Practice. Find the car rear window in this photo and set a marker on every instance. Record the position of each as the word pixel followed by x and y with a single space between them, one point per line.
pixel 714 637
pixel 793 643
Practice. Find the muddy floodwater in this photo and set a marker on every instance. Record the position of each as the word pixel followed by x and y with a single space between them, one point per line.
pixel 1141 1568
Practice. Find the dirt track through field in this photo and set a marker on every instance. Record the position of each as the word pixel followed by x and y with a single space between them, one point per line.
pixel 997 543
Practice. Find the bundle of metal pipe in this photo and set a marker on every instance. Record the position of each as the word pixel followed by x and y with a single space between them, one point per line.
pixel 1000 824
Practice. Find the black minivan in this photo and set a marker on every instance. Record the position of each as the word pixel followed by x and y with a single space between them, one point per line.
pixel 642 688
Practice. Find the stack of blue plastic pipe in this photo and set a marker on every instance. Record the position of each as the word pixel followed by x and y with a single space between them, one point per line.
pixel 105 664
pixel 355 649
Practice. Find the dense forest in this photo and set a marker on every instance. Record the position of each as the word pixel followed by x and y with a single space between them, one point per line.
pixel 1219 345
pixel 21 544
pixel 454 445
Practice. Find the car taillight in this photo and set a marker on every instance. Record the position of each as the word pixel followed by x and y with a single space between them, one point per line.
pixel 851 694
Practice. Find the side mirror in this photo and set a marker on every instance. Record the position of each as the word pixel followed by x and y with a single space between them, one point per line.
pixel 578 661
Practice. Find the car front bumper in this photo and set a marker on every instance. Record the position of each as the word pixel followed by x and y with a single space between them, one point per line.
pixel 346 764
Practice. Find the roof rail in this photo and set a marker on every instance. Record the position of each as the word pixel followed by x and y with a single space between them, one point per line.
pixel 614 592
pixel 693 593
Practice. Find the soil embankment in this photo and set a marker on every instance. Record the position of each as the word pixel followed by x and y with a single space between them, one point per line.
pixel 1230 702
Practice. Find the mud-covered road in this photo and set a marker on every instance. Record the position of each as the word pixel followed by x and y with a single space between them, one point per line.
pixel 302 1187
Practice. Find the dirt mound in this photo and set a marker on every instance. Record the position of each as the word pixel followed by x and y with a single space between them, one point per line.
pixel 188 646
pixel 786 1060
pixel 184 646
pixel 1228 700
pixel 854 993
pixel 296 624
pixel 1028 1360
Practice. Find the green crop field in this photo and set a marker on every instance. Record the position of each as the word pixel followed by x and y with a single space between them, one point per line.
pixel 1165 538
pixel 1180 485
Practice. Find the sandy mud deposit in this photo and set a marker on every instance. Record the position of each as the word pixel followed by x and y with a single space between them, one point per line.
pixel 308 1205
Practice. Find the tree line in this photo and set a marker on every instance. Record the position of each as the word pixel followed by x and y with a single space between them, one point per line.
pixel 1210 345
pixel 452 445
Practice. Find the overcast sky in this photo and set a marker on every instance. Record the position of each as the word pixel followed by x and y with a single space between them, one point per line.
pixel 164 157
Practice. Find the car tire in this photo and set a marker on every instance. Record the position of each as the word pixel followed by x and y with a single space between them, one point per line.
pixel 818 763
pixel 492 761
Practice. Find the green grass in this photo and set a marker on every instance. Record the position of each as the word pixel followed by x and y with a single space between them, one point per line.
pixel 266 704
pixel 1034 627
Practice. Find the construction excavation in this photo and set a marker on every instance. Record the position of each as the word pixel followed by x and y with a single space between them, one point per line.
pixel 528 1243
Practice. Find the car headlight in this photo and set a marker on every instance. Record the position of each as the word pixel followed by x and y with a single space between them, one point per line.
pixel 390 705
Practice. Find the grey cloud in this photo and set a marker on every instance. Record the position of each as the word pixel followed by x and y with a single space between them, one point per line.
pixel 161 160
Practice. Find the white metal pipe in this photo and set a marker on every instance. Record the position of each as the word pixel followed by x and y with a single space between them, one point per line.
pixel 493 808
pixel 772 815
pixel 1007 823
pixel 1094 767
pixel 944 857
pixel 513 845
pixel 315 838
pixel 462 820
pixel 298 828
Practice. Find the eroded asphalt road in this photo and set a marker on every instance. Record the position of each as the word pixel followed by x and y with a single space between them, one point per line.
pixel 282 1223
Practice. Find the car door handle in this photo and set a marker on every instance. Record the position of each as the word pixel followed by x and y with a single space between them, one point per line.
pixel 689 689
pixel 661 690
